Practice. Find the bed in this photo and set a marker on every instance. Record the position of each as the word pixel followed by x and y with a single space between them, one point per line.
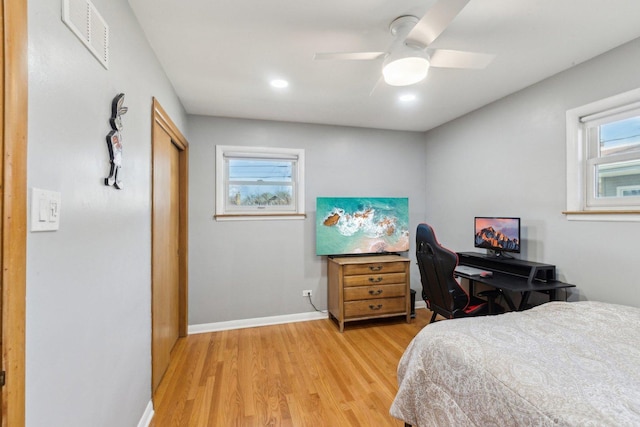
pixel 561 364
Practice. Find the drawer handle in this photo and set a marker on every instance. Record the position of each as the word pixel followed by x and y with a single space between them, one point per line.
pixel 375 307
pixel 375 279
pixel 375 267
pixel 372 292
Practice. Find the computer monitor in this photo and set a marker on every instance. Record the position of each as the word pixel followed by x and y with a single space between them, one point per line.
pixel 497 234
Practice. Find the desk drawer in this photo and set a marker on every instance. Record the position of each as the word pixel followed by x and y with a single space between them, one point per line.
pixel 382 291
pixel 374 307
pixel 374 268
pixel 375 279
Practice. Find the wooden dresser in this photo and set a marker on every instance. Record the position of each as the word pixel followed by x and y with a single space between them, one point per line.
pixel 368 287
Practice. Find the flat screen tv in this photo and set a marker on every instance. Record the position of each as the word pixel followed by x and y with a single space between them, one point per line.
pixel 498 234
pixel 361 225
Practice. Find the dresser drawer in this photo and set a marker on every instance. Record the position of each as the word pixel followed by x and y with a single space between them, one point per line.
pixel 374 279
pixel 374 307
pixel 374 267
pixel 382 291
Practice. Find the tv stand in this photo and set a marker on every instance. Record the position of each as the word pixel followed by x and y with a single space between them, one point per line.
pixel 368 287
pixel 532 271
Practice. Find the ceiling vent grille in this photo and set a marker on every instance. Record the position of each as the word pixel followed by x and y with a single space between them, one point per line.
pixel 82 17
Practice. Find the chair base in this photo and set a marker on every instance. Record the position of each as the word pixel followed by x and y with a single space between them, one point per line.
pixel 493 307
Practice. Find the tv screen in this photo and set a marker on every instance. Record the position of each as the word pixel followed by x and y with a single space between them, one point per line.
pixel 500 234
pixel 361 225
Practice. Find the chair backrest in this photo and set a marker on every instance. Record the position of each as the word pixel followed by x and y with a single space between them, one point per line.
pixel 440 290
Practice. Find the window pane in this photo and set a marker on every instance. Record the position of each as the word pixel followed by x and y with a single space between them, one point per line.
pixel 620 137
pixel 620 179
pixel 258 170
pixel 260 195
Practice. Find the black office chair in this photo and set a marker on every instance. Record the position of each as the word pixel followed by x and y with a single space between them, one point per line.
pixel 440 289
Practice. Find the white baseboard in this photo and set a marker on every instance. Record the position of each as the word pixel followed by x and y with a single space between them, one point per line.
pixel 147 416
pixel 260 321
pixel 265 321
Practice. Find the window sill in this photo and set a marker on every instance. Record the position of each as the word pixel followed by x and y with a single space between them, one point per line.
pixel 258 217
pixel 612 215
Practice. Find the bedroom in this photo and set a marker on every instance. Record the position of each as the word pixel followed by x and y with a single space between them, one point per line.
pixel 88 284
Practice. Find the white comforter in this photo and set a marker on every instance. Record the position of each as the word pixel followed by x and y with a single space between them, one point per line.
pixel 566 364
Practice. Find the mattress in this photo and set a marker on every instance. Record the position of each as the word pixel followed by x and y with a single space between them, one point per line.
pixel 566 364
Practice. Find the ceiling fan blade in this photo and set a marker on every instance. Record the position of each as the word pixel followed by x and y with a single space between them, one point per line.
pixel 434 22
pixel 349 56
pixel 445 58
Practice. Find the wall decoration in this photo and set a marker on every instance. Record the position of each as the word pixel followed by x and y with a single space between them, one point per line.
pixel 114 142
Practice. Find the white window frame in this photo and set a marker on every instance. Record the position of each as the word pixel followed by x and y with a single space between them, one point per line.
pixel 223 212
pixel 579 165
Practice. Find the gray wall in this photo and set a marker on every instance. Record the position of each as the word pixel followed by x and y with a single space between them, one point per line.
pixel 509 159
pixel 88 356
pixel 250 269
pixel 88 284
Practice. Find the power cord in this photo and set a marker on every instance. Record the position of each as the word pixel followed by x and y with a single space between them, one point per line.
pixel 313 305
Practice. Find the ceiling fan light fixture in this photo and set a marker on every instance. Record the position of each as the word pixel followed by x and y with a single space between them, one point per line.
pixel 405 71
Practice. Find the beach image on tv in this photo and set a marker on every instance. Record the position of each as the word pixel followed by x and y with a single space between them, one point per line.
pixel 353 225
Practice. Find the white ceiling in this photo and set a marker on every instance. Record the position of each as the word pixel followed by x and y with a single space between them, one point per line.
pixel 221 54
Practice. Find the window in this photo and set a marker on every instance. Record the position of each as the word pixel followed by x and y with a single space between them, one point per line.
pixel 603 159
pixel 259 182
pixel 613 162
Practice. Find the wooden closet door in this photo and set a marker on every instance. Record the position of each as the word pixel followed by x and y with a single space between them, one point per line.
pixel 166 245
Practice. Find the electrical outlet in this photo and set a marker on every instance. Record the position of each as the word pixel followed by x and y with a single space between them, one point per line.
pixel 306 293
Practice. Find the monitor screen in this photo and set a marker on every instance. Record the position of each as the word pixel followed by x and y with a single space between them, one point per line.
pixel 500 234
pixel 362 225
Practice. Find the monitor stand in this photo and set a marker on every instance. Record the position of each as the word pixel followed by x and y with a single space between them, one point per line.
pixel 498 254
pixel 517 267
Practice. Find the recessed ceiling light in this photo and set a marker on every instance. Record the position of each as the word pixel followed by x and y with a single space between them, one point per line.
pixel 407 97
pixel 279 83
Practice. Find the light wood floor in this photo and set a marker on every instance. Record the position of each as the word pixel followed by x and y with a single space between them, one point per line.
pixel 296 374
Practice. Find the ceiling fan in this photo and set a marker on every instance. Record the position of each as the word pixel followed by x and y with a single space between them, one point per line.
pixel 409 58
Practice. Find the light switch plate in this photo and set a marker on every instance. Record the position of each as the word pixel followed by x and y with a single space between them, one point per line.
pixel 45 210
